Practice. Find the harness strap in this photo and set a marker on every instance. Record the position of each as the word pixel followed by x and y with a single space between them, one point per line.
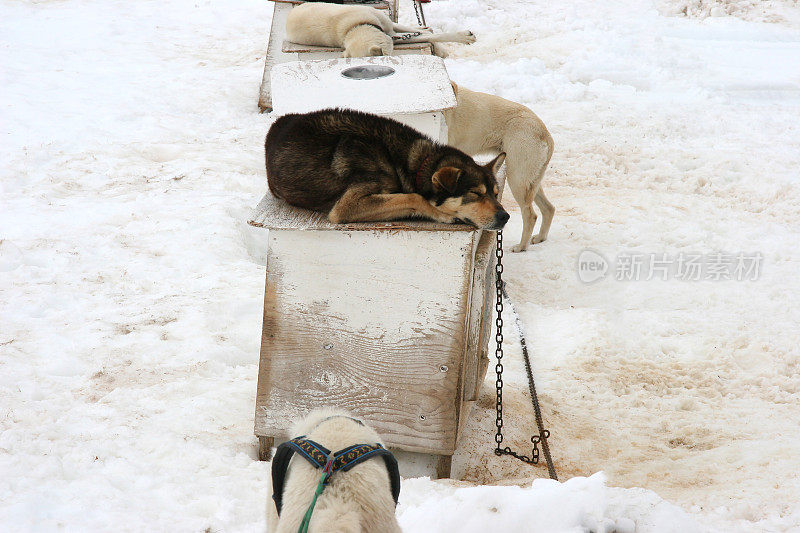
pixel 318 455
pixel 326 473
pixel 365 24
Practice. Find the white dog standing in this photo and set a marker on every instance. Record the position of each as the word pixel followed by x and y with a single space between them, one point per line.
pixel 484 123
pixel 361 30
pixel 356 500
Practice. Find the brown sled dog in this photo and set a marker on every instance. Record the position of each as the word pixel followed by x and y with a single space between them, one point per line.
pixel 359 167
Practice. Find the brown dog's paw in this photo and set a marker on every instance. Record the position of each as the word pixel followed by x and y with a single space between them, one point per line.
pixel 447 219
pixel 444 218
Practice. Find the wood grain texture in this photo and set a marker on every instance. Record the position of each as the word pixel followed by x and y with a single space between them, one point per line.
pixel 373 322
pixel 464 414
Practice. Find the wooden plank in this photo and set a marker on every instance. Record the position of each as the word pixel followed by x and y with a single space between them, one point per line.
pixel 295 48
pixel 443 466
pixel 265 445
pixel 372 322
pixel 487 321
pixel 275 55
pixel 463 416
pixel 477 336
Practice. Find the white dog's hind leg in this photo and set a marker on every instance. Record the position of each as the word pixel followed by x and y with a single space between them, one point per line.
pixel 522 194
pixel 548 211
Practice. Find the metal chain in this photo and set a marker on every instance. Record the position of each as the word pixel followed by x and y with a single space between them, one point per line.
pixel 544 434
pixel 419 13
pixel 406 36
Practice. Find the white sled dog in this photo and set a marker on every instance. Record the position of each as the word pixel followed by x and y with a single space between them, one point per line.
pixel 482 123
pixel 361 30
pixel 358 499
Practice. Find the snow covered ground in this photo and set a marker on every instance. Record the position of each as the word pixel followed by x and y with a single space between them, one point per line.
pixel 130 283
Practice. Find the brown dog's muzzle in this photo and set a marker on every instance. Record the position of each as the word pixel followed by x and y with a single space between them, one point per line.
pixel 488 214
pixel 500 219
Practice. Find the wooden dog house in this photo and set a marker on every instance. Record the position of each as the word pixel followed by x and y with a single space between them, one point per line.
pixel 279 50
pixel 388 320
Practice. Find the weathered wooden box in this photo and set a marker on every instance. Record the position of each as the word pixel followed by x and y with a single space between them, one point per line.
pixel 388 320
pixel 279 50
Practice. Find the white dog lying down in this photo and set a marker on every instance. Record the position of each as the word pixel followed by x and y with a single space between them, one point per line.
pixel 484 123
pixel 361 30
pixel 361 498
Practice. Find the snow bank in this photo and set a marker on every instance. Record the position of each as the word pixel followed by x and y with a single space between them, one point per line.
pixel 771 11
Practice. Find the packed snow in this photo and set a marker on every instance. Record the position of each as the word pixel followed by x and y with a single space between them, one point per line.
pixel 131 285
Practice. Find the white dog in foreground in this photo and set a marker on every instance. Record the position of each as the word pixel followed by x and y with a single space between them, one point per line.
pixel 484 123
pixel 361 30
pixel 361 493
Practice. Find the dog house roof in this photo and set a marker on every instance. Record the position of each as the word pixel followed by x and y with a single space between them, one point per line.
pixel 419 84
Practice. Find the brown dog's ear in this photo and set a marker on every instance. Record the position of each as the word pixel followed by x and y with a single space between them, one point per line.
pixel 375 51
pixel 494 165
pixel 446 178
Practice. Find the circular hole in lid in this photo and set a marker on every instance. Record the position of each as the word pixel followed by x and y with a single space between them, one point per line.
pixel 367 72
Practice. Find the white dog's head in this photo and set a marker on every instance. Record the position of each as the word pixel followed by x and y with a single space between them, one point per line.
pixel 339 427
pixel 366 40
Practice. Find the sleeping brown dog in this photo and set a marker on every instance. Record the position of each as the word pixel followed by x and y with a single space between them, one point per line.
pixel 359 167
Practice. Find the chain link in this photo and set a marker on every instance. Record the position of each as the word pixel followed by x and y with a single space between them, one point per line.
pixel 498 337
pixel 543 433
pixel 405 36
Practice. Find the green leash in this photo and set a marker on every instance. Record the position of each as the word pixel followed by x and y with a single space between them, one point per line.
pixel 326 473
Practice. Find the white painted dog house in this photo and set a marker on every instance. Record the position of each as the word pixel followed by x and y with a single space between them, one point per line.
pixel 279 50
pixel 388 320
pixel 415 93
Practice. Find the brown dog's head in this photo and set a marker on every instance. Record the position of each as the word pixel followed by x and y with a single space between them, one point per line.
pixel 469 191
